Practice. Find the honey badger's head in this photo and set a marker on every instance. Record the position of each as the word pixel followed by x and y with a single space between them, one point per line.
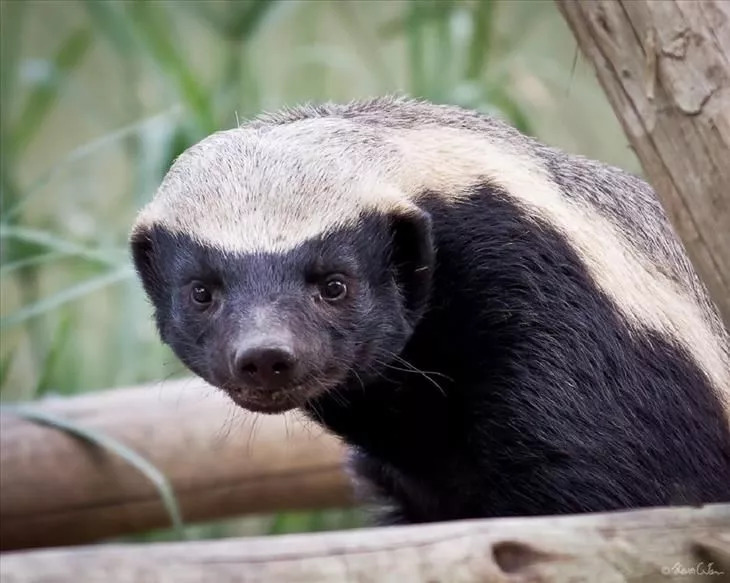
pixel 282 262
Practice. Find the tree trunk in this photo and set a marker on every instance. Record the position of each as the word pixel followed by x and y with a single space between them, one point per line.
pixel 667 544
pixel 56 489
pixel 665 66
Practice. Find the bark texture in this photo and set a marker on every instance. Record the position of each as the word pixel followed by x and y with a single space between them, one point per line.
pixel 665 67
pixel 666 544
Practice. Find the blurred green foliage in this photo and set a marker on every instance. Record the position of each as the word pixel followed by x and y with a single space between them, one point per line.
pixel 98 97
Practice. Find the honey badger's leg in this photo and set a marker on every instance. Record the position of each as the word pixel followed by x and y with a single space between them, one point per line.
pixel 548 402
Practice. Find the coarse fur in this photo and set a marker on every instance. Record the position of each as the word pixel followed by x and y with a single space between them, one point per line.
pixel 523 332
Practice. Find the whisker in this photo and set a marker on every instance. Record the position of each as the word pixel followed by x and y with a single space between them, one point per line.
pixel 430 372
pixel 414 370
pixel 359 380
pixel 254 421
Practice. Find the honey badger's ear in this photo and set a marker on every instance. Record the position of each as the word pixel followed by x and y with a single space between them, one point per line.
pixel 143 247
pixel 413 257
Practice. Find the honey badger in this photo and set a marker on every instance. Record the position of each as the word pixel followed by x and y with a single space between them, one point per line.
pixel 494 326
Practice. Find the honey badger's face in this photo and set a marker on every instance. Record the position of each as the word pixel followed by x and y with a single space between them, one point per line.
pixel 277 323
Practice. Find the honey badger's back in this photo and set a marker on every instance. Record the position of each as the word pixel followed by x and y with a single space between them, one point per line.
pixel 630 216
pixel 585 367
pixel 628 202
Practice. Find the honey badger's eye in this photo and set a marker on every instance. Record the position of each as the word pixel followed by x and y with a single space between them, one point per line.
pixel 333 288
pixel 201 294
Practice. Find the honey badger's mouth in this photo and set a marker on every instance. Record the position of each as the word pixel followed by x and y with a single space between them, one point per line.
pixel 264 400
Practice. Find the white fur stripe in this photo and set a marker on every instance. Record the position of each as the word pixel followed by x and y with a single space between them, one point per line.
pixel 639 290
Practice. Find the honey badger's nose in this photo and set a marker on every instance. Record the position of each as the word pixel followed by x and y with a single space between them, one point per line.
pixel 267 367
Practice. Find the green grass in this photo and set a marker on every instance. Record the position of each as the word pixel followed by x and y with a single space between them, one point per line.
pixel 98 97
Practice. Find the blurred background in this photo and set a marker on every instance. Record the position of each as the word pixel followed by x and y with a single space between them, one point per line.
pixel 98 97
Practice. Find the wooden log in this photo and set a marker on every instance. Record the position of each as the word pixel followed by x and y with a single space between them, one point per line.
pixel 56 489
pixel 650 545
pixel 665 67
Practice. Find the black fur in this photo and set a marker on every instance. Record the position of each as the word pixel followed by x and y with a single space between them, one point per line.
pixel 521 390
pixel 547 402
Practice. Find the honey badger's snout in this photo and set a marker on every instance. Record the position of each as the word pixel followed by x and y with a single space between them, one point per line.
pixel 269 364
pixel 266 372
pixel 260 352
